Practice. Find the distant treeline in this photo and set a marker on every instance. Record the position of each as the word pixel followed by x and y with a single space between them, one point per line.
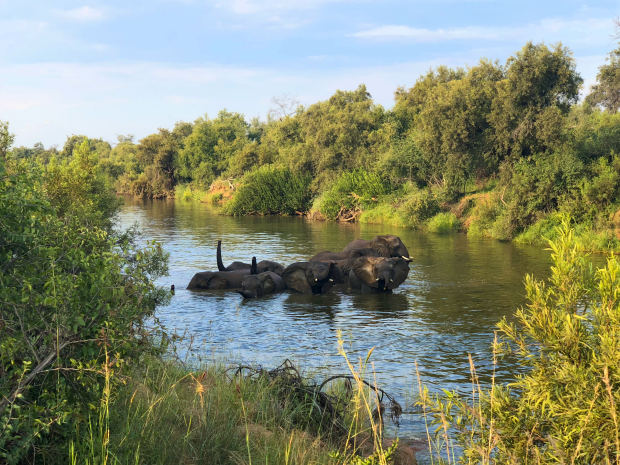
pixel 494 149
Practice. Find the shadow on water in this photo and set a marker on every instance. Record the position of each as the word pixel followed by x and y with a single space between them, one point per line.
pixel 457 290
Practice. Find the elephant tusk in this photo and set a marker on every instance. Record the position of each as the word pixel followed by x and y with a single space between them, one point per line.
pixel 377 279
pixel 409 259
pixel 331 280
pixel 316 280
pixel 391 280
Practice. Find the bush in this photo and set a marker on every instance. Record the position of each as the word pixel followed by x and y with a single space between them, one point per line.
pixel 564 408
pixel 353 190
pixel 271 190
pixel 73 297
pixel 443 223
pixel 538 186
pixel 384 213
pixel 418 206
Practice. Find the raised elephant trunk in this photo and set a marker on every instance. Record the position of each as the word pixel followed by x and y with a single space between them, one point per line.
pixel 220 264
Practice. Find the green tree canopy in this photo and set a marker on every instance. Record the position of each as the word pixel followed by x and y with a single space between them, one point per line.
pixel 606 91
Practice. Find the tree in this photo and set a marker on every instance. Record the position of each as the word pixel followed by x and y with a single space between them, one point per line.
pixel 6 139
pixel 157 155
pixel 283 106
pixel 409 103
pixel 606 92
pixel 452 128
pixel 207 151
pixel 540 85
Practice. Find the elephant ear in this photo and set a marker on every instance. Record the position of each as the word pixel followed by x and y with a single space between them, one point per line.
pixel 269 285
pixel 398 248
pixel 294 277
pixel 364 269
pixel 381 245
pixel 401 271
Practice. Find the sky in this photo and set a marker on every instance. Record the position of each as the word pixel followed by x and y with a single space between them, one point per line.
pixel 110 68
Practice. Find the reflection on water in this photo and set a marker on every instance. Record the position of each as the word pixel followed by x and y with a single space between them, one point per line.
pixel 456 291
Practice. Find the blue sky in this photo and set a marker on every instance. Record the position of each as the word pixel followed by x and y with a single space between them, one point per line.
pixel 129 67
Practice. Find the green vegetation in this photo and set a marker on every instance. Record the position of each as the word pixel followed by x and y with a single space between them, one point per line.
pixel 83 379
pixel 443 223
pixel 515 126
pixel 167 414
pixel 270 190
pixel 351 192
pixel 565 407
pixel 74 295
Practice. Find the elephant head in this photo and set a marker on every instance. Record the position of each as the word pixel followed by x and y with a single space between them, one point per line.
pixel 386 245
pixel 309 277
pixel 389 245
pixel 258 285
pixel 378 274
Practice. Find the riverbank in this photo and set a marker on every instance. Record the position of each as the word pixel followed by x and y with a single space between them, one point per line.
pixel 479 214
pixel 161 412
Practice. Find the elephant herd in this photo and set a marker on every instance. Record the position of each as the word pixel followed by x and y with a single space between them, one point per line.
pixel 368 266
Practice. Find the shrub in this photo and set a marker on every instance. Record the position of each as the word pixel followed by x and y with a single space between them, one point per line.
pixel 384 213
pixel 539 185
pixel 418 206
pixel 271 190
pixel 443 223
pixel 352 190
pixel 564 407
pixel 71 293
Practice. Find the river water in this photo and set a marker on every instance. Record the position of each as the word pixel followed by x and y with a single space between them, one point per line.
pixel 457 290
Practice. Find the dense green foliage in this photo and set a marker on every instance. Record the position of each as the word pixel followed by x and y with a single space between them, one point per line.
pixel 350 192
pixel 565 407
pixel 73 297
pixel 269 190
pixel 513 132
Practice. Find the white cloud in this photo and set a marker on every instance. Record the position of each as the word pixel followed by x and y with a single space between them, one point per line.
pixel 427 35
pixel 277 14
pixel 271 7
pixel 83 14
pixel 593 30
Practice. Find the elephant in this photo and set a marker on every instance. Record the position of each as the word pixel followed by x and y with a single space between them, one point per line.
pixel 387 246
pixel 309 277
pixel 221 279
pixel 377 274
pixel 262 266
pixel 258 285
pixel 342 261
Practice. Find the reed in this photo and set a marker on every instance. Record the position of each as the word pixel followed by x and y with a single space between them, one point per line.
pixel 564 407
pixel 163 413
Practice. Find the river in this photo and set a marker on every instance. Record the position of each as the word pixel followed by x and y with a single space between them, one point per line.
pixel 457 290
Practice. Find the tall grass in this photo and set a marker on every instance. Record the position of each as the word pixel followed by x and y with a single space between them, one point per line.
pixel 190 193
pixel 271 190
pixel 164 413
pixel 565 407
pixel 443 223
pixel 352 191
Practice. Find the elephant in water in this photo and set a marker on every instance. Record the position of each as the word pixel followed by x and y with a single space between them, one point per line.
pixel 342 261
pixel 309 277
pixel 262 266
pixel 258 285
pixel 378 274
pixel 221 279
pixel 387 246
